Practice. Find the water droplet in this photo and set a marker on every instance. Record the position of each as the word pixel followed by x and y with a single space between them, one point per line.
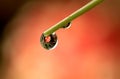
pixel 67 25
pixel 49 42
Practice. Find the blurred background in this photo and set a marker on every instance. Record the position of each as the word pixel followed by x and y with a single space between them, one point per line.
pixel 90 49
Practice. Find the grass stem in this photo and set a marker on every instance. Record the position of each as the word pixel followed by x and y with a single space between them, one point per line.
pixel 71 17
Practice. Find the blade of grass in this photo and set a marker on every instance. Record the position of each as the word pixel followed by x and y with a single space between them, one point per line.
pixel 71 17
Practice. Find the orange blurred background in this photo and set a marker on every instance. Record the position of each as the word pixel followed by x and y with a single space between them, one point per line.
pixel 89 49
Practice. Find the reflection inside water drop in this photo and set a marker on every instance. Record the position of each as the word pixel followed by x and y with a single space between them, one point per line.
pixel 49 42
pixel 67 25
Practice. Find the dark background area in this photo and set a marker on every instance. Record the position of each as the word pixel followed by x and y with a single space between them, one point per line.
pixel 8 8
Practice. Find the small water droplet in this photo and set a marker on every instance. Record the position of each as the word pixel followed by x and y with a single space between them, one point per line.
pixel 67 25
pixel 49 42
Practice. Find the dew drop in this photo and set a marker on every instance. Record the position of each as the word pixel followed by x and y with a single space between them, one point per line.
pixel 49 42
pixel 67 25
